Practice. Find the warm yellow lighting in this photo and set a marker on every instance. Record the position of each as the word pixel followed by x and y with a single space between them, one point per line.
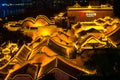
pixel 55 17
pixel 95 27
pixel 61 14
pixel 6 51
pixel 7 57
pixel 89 6
pixel 38 24
pixel 45 32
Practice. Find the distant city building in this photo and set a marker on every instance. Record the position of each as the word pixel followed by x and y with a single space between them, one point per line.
pixel 78 13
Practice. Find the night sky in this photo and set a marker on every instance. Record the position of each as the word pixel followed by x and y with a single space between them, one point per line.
pixel 49 7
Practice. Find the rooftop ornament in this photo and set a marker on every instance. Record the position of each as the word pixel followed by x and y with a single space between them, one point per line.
pixel 89 6
pixel 77 5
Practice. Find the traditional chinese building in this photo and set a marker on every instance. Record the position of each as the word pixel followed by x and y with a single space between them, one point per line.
pixel 79 13
pixel 63 52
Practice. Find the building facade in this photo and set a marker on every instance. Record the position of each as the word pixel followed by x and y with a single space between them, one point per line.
pixel 88 13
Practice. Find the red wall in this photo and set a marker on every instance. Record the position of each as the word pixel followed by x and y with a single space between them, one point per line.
pixel 88 15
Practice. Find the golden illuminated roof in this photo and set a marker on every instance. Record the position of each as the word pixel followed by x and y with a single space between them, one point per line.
pixel 48 64
pixel 78 7
pixel 89 25
pixel 29 22
pixel 90 42
pixel 114 36
pixel 39 21
pixel 33 27
pixel 54 48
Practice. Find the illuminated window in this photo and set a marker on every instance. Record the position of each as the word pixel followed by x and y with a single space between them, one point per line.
pixel 90 14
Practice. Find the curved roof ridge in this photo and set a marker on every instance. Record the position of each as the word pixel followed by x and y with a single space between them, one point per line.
pixel 109 34
pixel 45 18
pixel 65 46
pixel 68 62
